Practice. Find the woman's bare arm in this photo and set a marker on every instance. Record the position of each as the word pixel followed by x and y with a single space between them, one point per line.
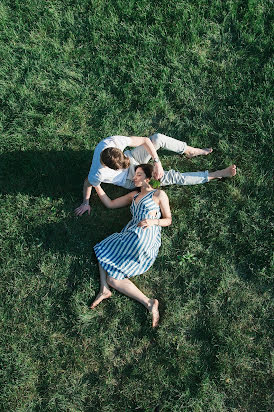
pixel 166 219
pixel 115 203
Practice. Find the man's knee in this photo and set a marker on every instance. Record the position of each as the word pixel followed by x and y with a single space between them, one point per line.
pixel 157 140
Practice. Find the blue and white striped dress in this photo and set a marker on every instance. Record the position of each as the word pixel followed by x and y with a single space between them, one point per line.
pixel 134 250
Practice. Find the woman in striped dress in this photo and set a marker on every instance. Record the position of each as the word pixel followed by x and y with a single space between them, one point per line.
pixel 133 251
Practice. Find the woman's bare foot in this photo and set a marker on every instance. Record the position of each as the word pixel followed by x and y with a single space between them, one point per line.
pixel 153 309
pixel 193 151
pixel 102 295
pixel 230 171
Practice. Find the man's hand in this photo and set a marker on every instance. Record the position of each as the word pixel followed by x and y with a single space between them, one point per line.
pixel 82 209
pixel 158 171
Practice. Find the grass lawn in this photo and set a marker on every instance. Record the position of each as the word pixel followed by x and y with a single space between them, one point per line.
pixel 71 74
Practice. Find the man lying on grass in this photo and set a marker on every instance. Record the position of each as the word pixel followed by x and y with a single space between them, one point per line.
pixel 110 164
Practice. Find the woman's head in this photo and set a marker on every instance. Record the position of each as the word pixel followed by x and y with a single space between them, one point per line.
pixel 114 158
pixel 143 174
pixel 147 169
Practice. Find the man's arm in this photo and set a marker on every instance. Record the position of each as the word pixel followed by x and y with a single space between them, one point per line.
pixel 85 207
pixel 136 141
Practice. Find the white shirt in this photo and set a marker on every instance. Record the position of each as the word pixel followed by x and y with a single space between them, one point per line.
pixel 103 174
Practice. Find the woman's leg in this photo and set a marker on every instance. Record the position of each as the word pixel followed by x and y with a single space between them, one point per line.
pixel 104 289
pixel 128 288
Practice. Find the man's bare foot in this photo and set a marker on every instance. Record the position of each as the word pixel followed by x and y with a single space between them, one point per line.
pixel 230 171
pixel 102 295
pixel 193 151
pixel 153 309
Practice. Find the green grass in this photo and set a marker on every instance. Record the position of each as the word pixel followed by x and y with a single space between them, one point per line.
pixel 71 74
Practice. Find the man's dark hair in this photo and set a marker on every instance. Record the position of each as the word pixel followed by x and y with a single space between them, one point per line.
pixel 114 158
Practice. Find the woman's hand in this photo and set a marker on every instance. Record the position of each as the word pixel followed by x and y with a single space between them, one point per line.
pixel 147 223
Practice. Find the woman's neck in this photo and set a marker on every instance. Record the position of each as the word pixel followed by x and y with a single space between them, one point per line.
pixel 146 189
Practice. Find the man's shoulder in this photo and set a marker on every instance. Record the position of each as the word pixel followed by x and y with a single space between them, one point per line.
pixel 115 141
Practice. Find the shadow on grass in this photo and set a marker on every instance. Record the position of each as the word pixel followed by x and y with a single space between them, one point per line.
pixel 57 174
pixel 60 174
pixel 47 173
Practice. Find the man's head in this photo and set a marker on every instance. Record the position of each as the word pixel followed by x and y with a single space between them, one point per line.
pixel 114 158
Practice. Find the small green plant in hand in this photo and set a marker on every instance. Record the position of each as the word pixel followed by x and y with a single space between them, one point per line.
pixel 155 183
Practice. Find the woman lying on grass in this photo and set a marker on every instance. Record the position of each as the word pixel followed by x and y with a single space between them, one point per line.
pixel 134 250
